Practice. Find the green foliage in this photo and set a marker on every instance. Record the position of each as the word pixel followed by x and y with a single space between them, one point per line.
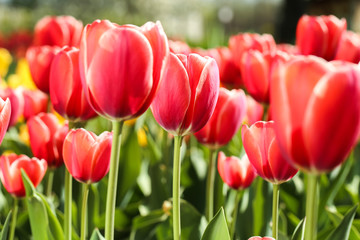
pixel 5 228
pixel 217 228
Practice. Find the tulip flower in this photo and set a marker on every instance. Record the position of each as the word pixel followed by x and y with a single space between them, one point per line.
pixel 349 47
pixel 46 138
pixel 179 47
pixel 66 92
pixel 256 70
pixel 305 92
pixel 184 104
pixel 121 69
pixel 87 157
pixel 17 103
pixel 10 175
pixel 261 238
pixel 40 59
pixel 237 174
pixel 243 42
pixel 319 35
pixel 254 111
pixel 288 48
pixel 5 113
pixel 262 149
pixel 35 102
pixel 219 130
pixel 58 31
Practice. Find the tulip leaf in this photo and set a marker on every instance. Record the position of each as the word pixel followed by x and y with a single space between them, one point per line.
pixel 336 217
pixel 96 235
pixel 5 229
pixel 43 222
pixel 299 231
pixel 217 228
pixel 342 231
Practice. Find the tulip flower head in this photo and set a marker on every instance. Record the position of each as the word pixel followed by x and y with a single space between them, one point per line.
pixel 316 110
pixel 58 31
pixel 66 92
pixel 10 172
pixel 236 173
pixel 87 156
pixel 254 111
pixel 188 94
pixel 349 47
pixel 17 103
pixel 5 113
pixel 40 59
pixel 121 67
pixel 46 138
pixel 264 153
pixel 35 102
pixel 226 120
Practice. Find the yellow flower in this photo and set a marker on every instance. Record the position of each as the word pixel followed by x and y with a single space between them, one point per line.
pixel 141 136
pixel 22 76
pixel 24 134
pixel 5 61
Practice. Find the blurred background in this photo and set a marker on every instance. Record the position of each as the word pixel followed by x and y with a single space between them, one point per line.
pixel 205 23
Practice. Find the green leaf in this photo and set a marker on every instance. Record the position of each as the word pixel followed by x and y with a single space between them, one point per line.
pixel 336 217
pixel 43 222
pixel 342 231
pixel 96 235
pixel 299 231
pixel 5 229
pixel 217 228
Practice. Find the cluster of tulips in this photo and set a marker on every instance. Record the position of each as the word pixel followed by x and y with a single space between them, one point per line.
pixel 302 105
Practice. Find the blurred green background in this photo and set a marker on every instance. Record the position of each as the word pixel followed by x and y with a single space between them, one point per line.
pixel 205 23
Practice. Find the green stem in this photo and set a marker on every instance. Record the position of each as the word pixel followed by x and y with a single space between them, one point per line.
pixel 275 208
pixel 13 219
pixel 238 197
pixel 84 211
pixel 113 178
pixel 67 205
pixel 50 182
pixel 311 207
pixel 176 188
pixel 210 185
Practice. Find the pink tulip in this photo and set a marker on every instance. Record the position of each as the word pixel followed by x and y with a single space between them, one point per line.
pixel 261 238
pixel 66 92
pixel 188 94
pixel 319 35
pixel 316 110
pixel 58 31
pixel 10 167
pixel 263 151
pixel 179 47
pixel 40 59
pixel 236 173
pixel 46 138
pixel 17 103
pixel 254 111
pixel 87 156
pixel 226 120
pixel 35 102
pixel 349 47
pixel 5 113
pixel 256 70
pixel 121 67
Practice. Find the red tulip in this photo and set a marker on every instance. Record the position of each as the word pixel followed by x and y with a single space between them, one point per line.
pixel 288 48
pixel 58 31
pixel 236 173
pixel 46 138
pixel 243 42
pixel 261 238
pixel 226 120
pixel 263 151
pixel 66 92
pixel 5 113
pixel 254 111
pixel 35 102
pixel 349 47
pixel 256 71
pixel 188 94
pixel 121 67
pixel 316 110
pixel 319 35
pixel 10 174
pixel 40 59
pixel 179 47
pixel 87 156
pixel 17 103
pixel 19 41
